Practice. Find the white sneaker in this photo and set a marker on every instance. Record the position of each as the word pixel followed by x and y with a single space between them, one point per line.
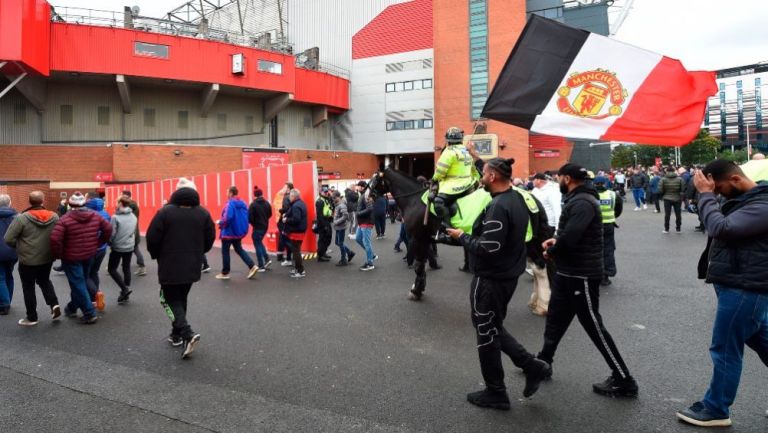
pixel 268 264
pixel 286 263
pixel 637 209
pixel 299 274
pixel 645 206
pixel 25 322
pixel 222 276
pixel 252 272
pixel 352 236
pixel 666 232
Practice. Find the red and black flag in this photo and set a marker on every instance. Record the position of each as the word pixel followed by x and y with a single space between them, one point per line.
pixel 569 82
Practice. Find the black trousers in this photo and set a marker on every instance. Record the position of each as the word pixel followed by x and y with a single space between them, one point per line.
pixel 115 259
pixel 173 298
pixel 298 259
pixel 609 250
pixel 40 275
pixel 668 206
pixel 324 238
pixel 380 222
pixel 489 300
pixel 572 296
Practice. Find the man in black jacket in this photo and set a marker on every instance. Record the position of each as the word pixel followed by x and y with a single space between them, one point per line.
pixel 736 266
pixel 497 255
pixel 578 253
pixel 259 213
pixel 295 221
pixel 178 236
pixel 324 218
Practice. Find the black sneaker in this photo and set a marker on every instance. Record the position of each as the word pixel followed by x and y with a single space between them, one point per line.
pixel 606 281
pixel 616 387
pixel 535 373
pixel 398 250
pixel 492 399
pixel 323 259
pixel 70 314
pixel 367 267
pixel 124 297
pixel 175 340
pixel 342 263
pixel 349 256
pixel 89 320
pixel 189 346
pixel 699 415
pixel 55 312
pixel 4 311
pixel 375 257
pixel 205 269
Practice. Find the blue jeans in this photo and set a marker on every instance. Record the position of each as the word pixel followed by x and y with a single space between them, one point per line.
pixel 639 195
pixel 77 272
pixel 363 238
pixel 6 282
pixel 238 246
pixel 340 237
pixel 742 318
pixel 402 238
pixel 261 251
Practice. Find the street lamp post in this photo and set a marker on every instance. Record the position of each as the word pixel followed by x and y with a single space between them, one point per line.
pixel 635 153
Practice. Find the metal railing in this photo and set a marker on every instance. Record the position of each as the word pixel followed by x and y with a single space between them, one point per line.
pixel 126 19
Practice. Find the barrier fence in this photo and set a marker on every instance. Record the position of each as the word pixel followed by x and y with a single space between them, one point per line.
pixel 212 187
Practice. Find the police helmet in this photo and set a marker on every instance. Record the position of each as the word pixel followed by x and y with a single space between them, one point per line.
pixel 454 135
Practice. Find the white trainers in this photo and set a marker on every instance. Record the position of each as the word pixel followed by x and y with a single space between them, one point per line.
pixel 637 209
pixel 645 207
pixel 299 274
pixel 252 272
pixel 666 232
pixel 25 322
pixel 286 263
pixel 222 276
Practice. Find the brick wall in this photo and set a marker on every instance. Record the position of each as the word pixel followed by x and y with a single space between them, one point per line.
pixel 144 162
pixel 506 19
pixel 19 193
pixel 54 163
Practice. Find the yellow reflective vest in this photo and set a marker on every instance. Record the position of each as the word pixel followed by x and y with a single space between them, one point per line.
pixel 455 170
pixel 533 208
pixel 607 205
pixel 327 210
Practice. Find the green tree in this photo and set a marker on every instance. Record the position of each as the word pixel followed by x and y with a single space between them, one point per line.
pixel 739 156
pixel 622 156
pixel 701 150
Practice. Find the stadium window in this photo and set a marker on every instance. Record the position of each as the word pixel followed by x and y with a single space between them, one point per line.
pixel 65 114
pixel 408 124
pixel 19 114
pixel 249 124
pixel 149 117
pixel 417 85
pixel 408 85
pixel 478 49
pixel 271 67
pixel 183 120
pixel 145 49
pixel 221 122
pixel 390 126
pixel 103 116
pixel 399 87
pixel 427 84
pixel 399 125
pixel 390 87
pixel 427 123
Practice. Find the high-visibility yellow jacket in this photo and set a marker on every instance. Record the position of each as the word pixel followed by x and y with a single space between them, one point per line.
pixel 455 170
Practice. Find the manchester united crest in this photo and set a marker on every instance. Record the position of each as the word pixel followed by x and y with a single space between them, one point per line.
pixel 593 94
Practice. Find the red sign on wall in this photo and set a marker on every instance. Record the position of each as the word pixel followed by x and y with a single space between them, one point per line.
pixel 103 177
pixel 327 176
pixel 253 158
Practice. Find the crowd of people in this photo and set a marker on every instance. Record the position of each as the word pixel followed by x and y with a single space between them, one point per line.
pixel 559 225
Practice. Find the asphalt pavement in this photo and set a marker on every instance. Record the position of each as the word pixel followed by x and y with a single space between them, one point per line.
pixel 344 351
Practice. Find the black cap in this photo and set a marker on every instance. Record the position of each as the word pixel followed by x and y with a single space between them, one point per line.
pixel 574 170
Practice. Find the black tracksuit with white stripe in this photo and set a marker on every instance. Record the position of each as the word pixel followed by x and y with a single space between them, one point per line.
pixel 578 256
pixel 497 255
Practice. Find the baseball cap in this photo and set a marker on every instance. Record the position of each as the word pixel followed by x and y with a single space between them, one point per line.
pixel 575 171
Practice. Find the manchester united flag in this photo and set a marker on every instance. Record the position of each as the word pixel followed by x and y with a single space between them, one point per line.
pixel 569 82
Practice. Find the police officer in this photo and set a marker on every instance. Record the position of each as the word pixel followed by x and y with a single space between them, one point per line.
pixel 324 215
pixel 578 253
pixel 610 209
pixel 497 255
pixel 455 173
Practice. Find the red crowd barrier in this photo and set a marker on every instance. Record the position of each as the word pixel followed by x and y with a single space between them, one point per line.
pixel 212 187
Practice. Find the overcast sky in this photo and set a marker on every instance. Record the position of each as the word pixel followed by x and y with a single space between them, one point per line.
pixel 704 34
